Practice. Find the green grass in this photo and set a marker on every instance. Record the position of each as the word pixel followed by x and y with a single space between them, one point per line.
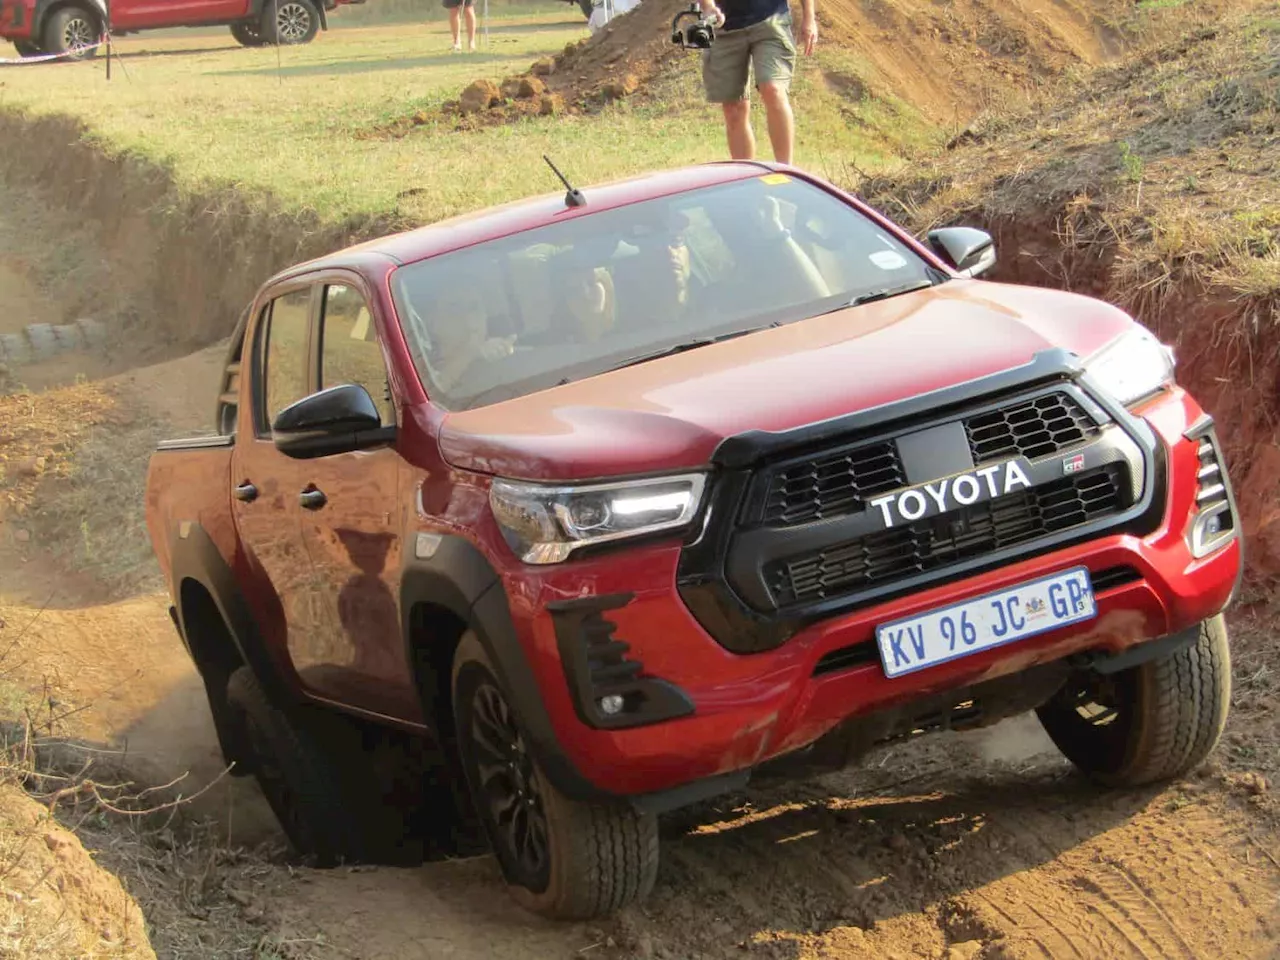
pixel 299 127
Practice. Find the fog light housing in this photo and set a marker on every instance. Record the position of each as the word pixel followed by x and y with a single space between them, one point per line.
pixel 1213 519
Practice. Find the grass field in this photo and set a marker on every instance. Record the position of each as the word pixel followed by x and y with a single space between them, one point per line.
pixel 301 127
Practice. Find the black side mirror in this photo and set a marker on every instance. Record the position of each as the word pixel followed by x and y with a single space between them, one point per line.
pixel 336 420
pixel 971 252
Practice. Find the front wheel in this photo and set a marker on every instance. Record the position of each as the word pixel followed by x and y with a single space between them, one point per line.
pixel 1152 722
pixel 72 30
pixel 247 35
pixel 561 858
pixel 289 22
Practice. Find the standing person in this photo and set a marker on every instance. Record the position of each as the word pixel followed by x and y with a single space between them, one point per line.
pixel 755 34
pixel 452 6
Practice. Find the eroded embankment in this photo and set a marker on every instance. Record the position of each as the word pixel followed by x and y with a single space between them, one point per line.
pixel 181 265
pixel 1150 184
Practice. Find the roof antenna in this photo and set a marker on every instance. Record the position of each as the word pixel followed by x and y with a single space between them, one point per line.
pixel 574 197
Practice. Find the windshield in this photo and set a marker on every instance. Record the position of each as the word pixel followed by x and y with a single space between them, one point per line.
pixel 570 300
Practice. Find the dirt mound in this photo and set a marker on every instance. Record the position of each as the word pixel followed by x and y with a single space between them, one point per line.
pixel 945 62
pixel 55 902
pixel 1151 185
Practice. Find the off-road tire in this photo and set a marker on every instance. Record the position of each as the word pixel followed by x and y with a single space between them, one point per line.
pixel 1170 713
pixel 297 774
pixel 246 34
pixel 602 857
pixel 26 48
pixel 289 22
pixel 71 23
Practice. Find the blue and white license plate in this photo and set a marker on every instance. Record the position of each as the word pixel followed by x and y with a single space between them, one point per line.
pixel 915 643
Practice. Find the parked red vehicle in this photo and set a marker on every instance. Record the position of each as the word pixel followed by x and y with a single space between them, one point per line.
pixel 627 495
pixel 74 27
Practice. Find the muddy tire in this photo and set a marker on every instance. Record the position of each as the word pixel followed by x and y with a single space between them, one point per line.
pixel 26 48
pixel 71 30
pixel 297 775
pixel 289 22
pixel 247 35
pixel 561 858
pixel 1152 722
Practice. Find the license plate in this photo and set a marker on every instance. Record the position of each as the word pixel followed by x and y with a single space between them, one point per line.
pixel 961 629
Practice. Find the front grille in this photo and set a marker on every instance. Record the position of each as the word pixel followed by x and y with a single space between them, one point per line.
pixel 838 482
pixel 1033 428
pixel 832 485
pixel 950 538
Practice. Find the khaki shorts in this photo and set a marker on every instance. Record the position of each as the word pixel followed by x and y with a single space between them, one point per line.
pixel 767 47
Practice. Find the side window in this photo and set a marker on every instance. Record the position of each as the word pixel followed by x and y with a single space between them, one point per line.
pixel 282 348
pixel 349 351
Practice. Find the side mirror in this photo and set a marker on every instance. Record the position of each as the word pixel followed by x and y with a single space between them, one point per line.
pixel 336 420
pixel 971 252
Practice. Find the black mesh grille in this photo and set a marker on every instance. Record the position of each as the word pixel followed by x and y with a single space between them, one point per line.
pixel 839 483
pixel 1033 428
pixel 832 485
pixel 950 538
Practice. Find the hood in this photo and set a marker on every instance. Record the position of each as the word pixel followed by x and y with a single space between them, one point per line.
pixel 671 413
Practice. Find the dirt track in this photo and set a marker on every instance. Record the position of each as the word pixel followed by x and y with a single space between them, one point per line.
pixel 982 845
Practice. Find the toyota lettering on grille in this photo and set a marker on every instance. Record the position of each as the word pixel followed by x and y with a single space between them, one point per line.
pixel 950 493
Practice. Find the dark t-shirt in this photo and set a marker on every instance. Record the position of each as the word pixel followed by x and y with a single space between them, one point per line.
pixel 744 13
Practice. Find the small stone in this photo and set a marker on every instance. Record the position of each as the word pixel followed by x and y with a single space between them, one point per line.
pixel 22 536
pixel 619 89
pixel 964 951
pixel 32 467
pixel 420 118
pixel 898 843
pixel 551 105
pixel 544 67
pixel 480 95
pixel 530 87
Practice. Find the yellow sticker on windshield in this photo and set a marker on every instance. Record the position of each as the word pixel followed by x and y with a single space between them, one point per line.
pixel 776 178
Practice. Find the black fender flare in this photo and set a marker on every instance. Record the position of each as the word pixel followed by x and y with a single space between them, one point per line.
pixel 194 556
pixel 43 7
pixel 455 575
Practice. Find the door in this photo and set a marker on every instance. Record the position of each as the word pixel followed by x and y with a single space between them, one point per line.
pixel 264 482
pixel 352 531
pixel 143 14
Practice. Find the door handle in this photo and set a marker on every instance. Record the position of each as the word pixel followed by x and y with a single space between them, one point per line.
pixel 246 492
pixel 312 498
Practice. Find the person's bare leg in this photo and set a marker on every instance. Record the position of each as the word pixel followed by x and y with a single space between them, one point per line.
pixel 737 125
pixel 453 27
pixel 780 120
pixel 471 27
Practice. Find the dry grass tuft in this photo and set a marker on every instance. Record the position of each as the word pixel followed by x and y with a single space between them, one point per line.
pixel 1167 163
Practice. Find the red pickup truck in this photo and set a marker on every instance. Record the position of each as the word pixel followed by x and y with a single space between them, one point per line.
pixel 623 496
pixel 74 27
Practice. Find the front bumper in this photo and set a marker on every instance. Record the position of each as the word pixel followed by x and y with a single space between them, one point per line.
pixel 719 712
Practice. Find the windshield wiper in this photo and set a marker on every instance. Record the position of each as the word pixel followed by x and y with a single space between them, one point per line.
pixel 883 294
pixel 690 345
pixel 887 292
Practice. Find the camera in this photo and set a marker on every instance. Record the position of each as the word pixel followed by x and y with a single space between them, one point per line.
pixel 699 34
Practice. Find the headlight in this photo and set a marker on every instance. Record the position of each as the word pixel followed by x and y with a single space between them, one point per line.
pixel 1132 366
pixel 546 524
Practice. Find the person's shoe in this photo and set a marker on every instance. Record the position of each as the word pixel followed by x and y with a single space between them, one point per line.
pixel 457 46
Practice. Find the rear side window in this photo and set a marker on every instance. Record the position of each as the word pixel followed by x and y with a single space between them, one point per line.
pixel 349 351
pixel 283 352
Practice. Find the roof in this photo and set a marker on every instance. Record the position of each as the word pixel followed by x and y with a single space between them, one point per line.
pixel 515 217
